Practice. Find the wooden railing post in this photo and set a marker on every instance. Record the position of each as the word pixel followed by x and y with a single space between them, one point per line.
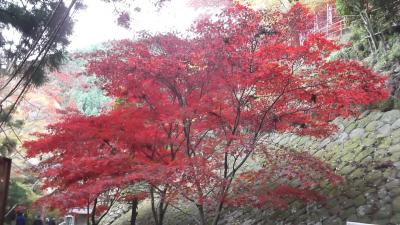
pixel 5 167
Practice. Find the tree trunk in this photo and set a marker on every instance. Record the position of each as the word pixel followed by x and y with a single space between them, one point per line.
pixel 219 211
pixel 134 213
pixel 368 26
pixel 201 214
pixel 162 206
pixel 383 41
pixel 88 215
pixel 160 209
pixel 153 208
pixel 94 212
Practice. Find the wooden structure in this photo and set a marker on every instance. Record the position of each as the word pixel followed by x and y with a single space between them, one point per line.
pixel 77 216
pixel 5 167
pixel 326 21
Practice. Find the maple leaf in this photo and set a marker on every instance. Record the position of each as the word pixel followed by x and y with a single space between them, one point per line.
pixel 194 110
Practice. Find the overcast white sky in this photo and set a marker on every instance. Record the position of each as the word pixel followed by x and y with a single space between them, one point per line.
pixel 97 23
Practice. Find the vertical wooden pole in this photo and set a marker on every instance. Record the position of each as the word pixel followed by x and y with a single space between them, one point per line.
pixel 5 167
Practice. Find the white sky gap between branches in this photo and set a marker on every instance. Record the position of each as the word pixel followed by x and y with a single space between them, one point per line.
pixel 97 23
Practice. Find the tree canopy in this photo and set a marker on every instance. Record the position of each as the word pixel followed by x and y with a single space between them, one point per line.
pixel 43 27
pixel 375 16
pixel 194 110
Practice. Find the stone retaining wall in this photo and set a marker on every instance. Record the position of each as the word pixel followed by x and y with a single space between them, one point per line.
pixel 366 152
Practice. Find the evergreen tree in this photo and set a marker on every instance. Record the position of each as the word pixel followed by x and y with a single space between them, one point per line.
pixel 40 35
pixel 375 16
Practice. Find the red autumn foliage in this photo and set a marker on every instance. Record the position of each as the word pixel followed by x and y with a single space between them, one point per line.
pixel 196 109
pixel 274 180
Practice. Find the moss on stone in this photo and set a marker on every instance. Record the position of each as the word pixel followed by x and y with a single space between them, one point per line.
pixel 385 142
pixel 363 154
pixel 349 157
pixel 373 194
pixel 360 200
pixel 361 123
pixel 389 173
pixel 384 211
pixel 373 175
pixel 395 218
pixel 396 204
pixel 395 157
pixel 347 169
pixel 373 126
pixel 350 127
pixel 357 173
pixel 395 133
pixel 394 148
pixel 390 116
pixel 368 141
pixel 351 144
pixel 395 191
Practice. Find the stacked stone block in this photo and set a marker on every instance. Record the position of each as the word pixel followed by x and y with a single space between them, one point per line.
pixel 366 152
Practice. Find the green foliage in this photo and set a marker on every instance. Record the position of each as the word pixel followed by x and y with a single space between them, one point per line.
pixel 74 88
pixel 90 101
pixel 54 60
pixel 20 193
pixel 4 117
pixel 38 77
pixel 375 17
pixel 18 123
pixel 8 119
pixel 385 57
pixel 344 6
pixel 388 8
pixel 18 17
pixel 394 51
pixel 33 21
pixel 7 146
pixel 386 105
pixel 359 48
pixel 120 101
pixel 346 53
pixel 381 60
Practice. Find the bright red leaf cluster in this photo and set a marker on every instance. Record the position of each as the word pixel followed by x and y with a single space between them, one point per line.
pixel 195 109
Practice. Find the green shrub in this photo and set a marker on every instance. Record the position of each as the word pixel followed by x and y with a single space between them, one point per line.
pixel 394 52
pixel 386 105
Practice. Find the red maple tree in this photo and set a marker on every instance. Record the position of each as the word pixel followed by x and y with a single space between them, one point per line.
pixel 196 109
